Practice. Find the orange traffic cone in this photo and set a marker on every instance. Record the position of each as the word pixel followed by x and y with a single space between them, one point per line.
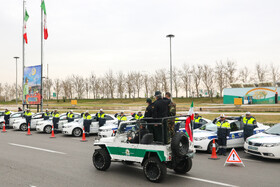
pixel 84 136
pixel 52 136
pixel 4 127
pixel 214 155
pixel 28 131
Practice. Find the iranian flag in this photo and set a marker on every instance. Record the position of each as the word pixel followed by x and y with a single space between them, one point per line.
pixel 43 6
pixel 188 126
pixel 26 16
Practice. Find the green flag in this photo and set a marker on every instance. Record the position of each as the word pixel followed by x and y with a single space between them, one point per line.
pixel 43 6
pixel 26 16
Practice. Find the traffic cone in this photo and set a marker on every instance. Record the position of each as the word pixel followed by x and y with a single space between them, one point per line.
pixel 214 155
pixel 84 136
pixel 52 136
pixel 28 131
pixel 4 127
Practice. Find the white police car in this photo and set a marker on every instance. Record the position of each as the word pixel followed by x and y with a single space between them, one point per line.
pixel 20 123
pixel 265 144
pixel 46 125
pixel 76 128
pixel 203 137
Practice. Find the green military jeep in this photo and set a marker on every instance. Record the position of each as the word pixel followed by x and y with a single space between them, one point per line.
pixel 154 156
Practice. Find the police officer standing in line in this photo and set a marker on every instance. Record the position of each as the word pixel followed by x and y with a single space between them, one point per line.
pixel 197 121
pixel 87 122
pixel 47 115
pixel 55 120
pixel 121 118
pixel 250 124
pixel 7 117
pixel 149 108
pixel 100 117
pixel 223 132
pixel 160 111
pixel 28 116
pixel 70 116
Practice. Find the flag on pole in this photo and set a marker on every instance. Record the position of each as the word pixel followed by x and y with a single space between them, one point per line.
pixel 26 16
pixel 188 122
pixel 43 6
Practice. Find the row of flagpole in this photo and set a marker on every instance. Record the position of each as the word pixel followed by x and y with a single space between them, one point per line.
pixel 44 35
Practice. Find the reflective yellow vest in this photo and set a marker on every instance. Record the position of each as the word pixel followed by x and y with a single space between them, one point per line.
pixel 225 125
pixel 248 121
pixel 138 117
pixel 7 113
pixel 122 118
pixel 88 117
pixel 28 114
pixel 56 115
pixel 70 115
pixel 101 116
pixel 47 114
pixel 197 120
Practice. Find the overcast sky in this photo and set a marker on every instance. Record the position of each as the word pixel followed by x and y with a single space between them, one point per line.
pixel 98 35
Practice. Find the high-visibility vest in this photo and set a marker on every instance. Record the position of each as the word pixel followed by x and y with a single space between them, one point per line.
pixel 7 113
pixel 28 114
pixel 138 117
pixel 47 114
pixel 197 119
pixel 88 117
pixel 225 125
pixel 101 115
pixel 56 115
pixel 70 115
pixel 176 120
pixel 249 121
pixel 122 118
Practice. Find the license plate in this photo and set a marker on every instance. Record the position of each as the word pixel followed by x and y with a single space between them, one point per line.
pixel 253 148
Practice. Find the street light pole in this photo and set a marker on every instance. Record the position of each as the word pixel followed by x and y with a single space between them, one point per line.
pixel 170 36
pixel 16 80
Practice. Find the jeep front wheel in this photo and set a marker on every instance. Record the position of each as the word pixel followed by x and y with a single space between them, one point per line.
pixel 183 166
pixel 154 170
pixel 101 159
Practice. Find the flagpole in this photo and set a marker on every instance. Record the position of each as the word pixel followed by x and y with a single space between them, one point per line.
pixel 42 54
pixel 23 54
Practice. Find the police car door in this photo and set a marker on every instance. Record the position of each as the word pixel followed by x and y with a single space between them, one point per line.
pixel 62 121
pixel 236 135
pixel 35 119
pixel 77 117
pixel 94 127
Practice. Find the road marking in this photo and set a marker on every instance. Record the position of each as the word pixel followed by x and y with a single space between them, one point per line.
pixel 195 178
pixel 37 148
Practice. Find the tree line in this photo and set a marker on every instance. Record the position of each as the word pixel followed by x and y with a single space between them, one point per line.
pixel 188 81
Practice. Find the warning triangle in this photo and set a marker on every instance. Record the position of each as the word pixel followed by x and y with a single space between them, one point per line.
pixel 233 158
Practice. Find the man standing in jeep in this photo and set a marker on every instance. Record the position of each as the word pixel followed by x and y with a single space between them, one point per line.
pixel 171 112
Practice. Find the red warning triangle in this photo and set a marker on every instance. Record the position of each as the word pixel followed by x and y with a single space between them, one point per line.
pixel 233 158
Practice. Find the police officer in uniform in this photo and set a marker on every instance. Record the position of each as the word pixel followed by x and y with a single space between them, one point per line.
pixel 250 124
pixel 197 121
pixel 223 132
pixel 139 134
pixel 70 116
pixel 7 117
pixel 100 117
pixel 55 120
pixel 121 118
pixel 171 112
pixel 28 116
pixel 149 108
pixel 138 116
pixel 47 115
pixel 87 122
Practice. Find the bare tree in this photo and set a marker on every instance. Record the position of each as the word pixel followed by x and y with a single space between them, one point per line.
pixel 110 82
pixel 92 81
pixel 97 88
pixel 221 76
pixel 65 85
pixel 129 84
pixel 57 87
pixel 244 75
pixel 154 83
pixel 19 92
pixel 230 69
pixel 261 72
pixel 146 84
pixel 176 80
pixel 138 82
pixel 1 89
pixel 121 84
pixel 185 75
pixel 103 87
pixel 163 79
pixel 48 85
pixel 78 85
pixel 87 87
pixel 274 73
pixel 208 78
pixel 197 73
pixel 13 91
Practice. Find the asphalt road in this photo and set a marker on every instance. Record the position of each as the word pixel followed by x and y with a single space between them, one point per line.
pixel 40 161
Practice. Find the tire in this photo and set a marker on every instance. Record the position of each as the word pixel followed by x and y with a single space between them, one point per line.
pixel 101 159
pixel 183 166
pixel 23 127
pixel 77 132
pixel 154 170
pixel 180 144
pixel 210 145
pixel 48 129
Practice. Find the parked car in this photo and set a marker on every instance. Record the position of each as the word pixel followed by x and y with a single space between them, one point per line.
pixel 203 137
pixel 76 128
pixel 265 144
pixel 13 117
pixel 20 123
pixel 46 125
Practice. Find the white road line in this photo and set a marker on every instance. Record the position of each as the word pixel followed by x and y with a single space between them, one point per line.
pixel 195 178
pixel 37 148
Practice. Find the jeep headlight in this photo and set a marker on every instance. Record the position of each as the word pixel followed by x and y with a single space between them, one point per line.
pixel 200 138
pixel 270 144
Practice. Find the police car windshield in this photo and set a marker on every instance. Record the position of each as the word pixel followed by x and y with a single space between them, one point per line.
pixel 209 127
pixel 274 130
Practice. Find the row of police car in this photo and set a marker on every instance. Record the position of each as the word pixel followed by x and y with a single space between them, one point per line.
pixel 265 142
